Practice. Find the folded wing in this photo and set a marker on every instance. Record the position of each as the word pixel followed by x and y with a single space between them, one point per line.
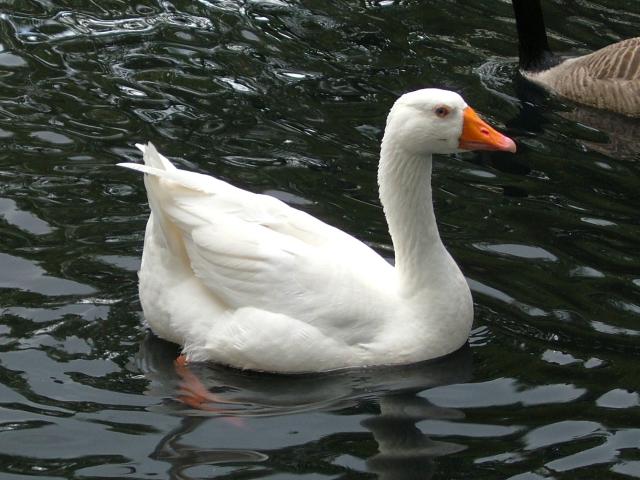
pixel 253 250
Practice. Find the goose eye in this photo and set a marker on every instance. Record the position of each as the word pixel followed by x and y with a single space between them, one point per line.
pixel 441 111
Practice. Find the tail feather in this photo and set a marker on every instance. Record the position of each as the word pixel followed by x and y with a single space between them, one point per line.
pixel 164 184
pixel 152 158
pixel 190 180
pixel 157 167
pixel 159 172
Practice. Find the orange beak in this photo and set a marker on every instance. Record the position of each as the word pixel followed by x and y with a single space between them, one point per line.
pixel 478 135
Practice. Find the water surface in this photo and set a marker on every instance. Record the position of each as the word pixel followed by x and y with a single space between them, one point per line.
pixel 289 99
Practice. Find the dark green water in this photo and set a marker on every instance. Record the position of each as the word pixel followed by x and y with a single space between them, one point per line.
pixel 289 98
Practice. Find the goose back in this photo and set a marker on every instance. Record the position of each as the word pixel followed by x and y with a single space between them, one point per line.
pixel 608 78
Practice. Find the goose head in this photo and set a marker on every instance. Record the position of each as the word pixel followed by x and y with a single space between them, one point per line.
pixel 437 121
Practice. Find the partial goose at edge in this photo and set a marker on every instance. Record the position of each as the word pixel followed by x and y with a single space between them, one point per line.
pixel 608 78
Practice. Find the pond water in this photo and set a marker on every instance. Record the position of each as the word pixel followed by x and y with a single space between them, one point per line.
pixel 289 99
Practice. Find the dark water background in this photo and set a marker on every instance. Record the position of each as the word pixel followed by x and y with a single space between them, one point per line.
pixel 289 98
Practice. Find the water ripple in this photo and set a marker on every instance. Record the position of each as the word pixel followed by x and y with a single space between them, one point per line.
pixel 68 25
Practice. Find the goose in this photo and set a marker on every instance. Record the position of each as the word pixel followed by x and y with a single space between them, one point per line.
pixel 244 280
pixel 608 78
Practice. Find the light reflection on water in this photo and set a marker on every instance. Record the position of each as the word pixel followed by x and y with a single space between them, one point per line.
pixel 289 99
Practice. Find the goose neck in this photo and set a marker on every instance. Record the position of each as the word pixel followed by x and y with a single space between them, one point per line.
pixel 406 196
pixel 533 46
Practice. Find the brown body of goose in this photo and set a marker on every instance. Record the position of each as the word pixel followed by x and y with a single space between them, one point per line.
pixel 608 78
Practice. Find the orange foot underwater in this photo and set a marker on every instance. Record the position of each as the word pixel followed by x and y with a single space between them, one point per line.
pixel 194 394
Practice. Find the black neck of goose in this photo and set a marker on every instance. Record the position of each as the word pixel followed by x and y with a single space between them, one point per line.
pixel 533 46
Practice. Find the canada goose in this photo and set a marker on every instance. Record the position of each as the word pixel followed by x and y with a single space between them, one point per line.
pixel 245 280
pixel 608 78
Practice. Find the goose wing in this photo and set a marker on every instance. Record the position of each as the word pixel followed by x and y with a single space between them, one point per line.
pixel 619 61
pixel 253 250
pixel 608 78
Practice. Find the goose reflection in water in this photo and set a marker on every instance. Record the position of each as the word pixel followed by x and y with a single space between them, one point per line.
pixel 234 399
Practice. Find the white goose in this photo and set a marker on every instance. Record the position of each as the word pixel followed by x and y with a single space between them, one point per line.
pixel 244 280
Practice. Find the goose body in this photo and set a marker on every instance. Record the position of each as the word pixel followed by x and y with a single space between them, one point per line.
pixel 608 78
pixel 244 280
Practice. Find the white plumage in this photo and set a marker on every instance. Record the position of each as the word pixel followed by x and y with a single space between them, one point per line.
pixel 245 280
